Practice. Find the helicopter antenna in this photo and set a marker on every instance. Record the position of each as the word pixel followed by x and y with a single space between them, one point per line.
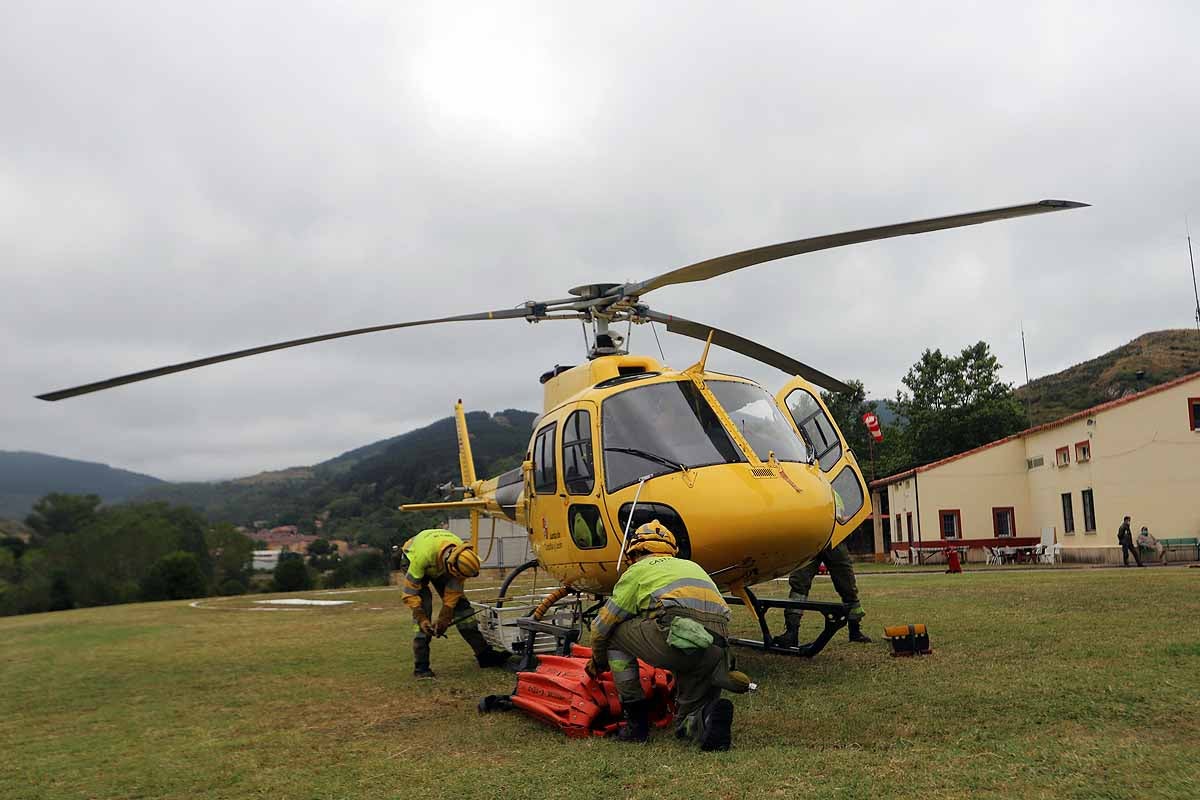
pixel 654 330
pixel 1193 262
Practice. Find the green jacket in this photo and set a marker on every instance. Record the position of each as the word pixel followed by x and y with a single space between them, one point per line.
pixel 656 585
pixel 422 552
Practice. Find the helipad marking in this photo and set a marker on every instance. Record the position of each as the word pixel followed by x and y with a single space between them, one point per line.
pixel 303 601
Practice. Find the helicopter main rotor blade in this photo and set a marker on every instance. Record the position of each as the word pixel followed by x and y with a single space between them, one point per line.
pixel 713 267
pixel 134 377
pixel 740 344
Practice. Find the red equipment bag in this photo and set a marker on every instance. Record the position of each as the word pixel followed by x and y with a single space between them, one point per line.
pixel 560 693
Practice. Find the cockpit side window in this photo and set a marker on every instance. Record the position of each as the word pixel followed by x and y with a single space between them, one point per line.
pixel 545 477
pixel 816 428
pixel 577 453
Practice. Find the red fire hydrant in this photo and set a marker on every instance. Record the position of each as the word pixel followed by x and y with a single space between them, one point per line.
pixel 952 560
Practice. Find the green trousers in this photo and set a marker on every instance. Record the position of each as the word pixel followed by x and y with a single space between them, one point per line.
pixel 841 570
pixel 698 674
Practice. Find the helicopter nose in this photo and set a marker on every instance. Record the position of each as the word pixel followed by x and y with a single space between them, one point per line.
pixel 750 523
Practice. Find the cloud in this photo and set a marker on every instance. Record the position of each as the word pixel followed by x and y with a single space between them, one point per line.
pixel 180 180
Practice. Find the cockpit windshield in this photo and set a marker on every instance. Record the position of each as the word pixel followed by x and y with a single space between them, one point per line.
pixel 760 421
pixel 661 428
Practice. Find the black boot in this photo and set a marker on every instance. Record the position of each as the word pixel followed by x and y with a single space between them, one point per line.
pixel 856 634
pixel 789 638
pixel 423 671
pixel 491 658
pixel 716 723
pixel 637 722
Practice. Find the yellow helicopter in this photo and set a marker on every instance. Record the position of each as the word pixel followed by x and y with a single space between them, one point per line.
pixel 752 484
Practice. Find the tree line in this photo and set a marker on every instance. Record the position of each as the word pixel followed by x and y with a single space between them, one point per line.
pixel 949 404
pixel 83 554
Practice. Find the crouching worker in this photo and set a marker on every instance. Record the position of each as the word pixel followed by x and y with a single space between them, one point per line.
pixel 667 612
pixel 441 559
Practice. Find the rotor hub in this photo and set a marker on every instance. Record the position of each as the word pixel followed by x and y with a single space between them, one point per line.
pixel 592 291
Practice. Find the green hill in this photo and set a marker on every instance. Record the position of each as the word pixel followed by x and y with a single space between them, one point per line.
pixel 1161 356
pixel 26 476
pixel 356 493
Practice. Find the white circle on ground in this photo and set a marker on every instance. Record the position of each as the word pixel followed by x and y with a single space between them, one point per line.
pixel 303 601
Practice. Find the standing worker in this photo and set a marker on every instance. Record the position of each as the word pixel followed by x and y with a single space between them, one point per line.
pixel 439 558
pixel 841 570
pixel 669 613
pixel 1125 539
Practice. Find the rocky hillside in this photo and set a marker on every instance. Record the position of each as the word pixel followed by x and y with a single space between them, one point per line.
pixel 1161 356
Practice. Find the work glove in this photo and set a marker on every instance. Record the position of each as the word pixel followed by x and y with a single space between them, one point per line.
pixel 445 620
pixel 593 669
pixel 424 624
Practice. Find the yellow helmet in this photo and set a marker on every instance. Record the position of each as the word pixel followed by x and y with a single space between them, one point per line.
pixel 460 560
pixel 653 537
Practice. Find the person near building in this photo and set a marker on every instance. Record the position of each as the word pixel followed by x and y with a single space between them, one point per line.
pixel 1146 540
pixel 1125 539
pixel 440 559
pixel 667 612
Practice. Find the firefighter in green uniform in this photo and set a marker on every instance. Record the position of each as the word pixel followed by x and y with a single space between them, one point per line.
pixel 667 612
pixel 841 570
pixel 440 559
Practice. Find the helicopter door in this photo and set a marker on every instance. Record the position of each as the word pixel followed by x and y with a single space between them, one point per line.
pixel 803 406
pixel 544 517
pixel 582 502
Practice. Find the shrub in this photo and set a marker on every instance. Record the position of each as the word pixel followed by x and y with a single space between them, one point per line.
pixel 175 576
pixel 291 574
pixel 230 587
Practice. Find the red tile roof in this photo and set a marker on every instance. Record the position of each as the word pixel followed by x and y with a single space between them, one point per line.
pixel 1045 426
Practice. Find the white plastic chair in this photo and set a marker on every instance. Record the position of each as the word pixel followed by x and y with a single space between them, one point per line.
pixel 898 557
pixel 993 555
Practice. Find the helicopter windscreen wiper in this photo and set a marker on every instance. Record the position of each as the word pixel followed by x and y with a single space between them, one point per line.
pixel 646 454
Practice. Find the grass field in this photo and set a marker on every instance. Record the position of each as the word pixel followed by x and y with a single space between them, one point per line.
pixel 1055 684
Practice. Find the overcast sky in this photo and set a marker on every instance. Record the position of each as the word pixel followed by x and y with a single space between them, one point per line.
pixel 183 179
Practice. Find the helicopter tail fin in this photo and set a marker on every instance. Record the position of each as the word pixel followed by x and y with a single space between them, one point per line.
pixel 466 462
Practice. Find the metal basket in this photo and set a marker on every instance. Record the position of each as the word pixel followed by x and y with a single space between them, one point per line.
pixel 499 625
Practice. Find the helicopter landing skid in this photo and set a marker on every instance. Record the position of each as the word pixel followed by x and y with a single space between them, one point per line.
pixel 836 616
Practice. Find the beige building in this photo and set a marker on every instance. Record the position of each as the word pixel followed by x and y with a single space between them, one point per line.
pixel 1068 482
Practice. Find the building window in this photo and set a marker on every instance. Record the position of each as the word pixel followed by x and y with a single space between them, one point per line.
pixel 1062 456
pixel 1068 513
pixel 1033 463
pixel 1083 452
pixel 951 523
pixel 1004 521
pixel 1089 512
pixel 1194 413
pixel 908 519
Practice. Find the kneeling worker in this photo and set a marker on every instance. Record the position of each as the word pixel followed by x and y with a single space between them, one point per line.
pixel 669 613
pixel 841 571
pixel 440 558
